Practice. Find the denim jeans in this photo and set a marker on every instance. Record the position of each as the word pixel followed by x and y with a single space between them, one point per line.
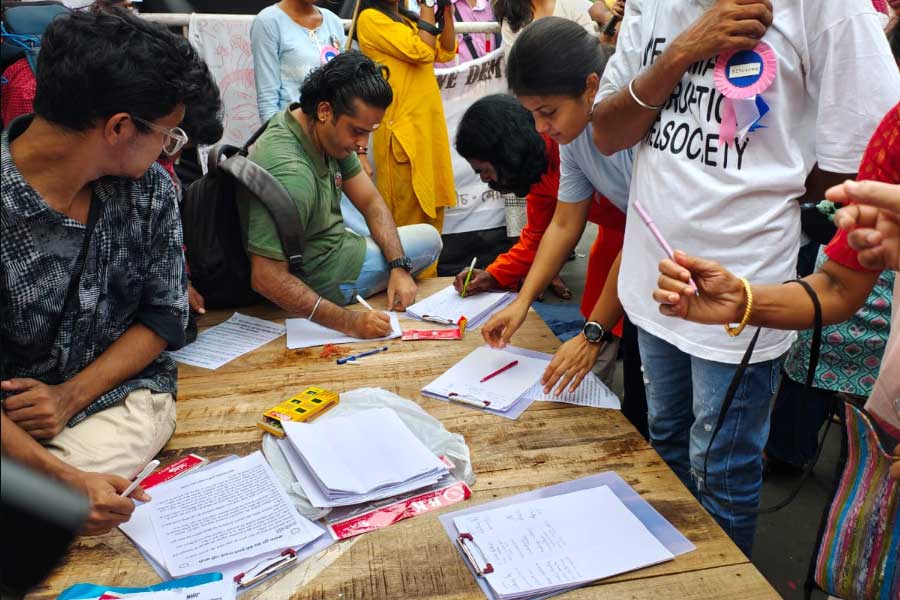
pixel 421 243
pixel 353 219
pixel 684 395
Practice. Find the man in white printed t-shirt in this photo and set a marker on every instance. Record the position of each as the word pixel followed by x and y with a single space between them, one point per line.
pixel 734 202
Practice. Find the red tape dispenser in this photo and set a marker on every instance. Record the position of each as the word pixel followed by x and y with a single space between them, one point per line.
pixel 437 334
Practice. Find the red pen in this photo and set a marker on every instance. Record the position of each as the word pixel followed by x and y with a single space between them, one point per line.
pixel 500 370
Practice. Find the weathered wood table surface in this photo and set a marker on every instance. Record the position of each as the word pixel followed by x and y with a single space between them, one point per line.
pixel 548 444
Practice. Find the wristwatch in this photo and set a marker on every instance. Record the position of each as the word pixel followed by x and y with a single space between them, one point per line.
pixel 595 333
pixel 403 262
pixel 428 3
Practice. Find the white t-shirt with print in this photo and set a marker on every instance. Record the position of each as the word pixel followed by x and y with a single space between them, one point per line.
pixel 737 204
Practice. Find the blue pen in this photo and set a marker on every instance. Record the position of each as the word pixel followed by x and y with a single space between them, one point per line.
pixel 347 359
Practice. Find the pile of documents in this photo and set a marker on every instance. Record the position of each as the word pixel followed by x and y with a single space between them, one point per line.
pixel 363 457
pixel 447 306
pixel 230 517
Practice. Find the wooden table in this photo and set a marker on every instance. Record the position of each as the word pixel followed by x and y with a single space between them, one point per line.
pixel 548 444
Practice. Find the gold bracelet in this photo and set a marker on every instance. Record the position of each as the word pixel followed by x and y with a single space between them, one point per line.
pixel 736 331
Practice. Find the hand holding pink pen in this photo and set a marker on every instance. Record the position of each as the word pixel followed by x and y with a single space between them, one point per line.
pixel 645 216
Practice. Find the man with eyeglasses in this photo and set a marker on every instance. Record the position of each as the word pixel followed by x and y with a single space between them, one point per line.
pixel 92 277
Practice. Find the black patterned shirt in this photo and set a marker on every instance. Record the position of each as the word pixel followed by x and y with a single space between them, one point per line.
pixel 133 273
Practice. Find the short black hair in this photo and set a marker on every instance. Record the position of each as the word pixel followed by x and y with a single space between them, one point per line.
pixel 92 66
pixel 516 13
pixel 499 130
pixel 346 77
pixel 554 56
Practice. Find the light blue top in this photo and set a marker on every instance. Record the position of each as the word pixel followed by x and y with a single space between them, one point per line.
pixel 583 169
pixel 284 53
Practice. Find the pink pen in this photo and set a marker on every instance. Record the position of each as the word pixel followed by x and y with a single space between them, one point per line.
pixel 659 237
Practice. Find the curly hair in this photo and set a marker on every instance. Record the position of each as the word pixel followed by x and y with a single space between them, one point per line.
pixel 499 130
pixel 92 66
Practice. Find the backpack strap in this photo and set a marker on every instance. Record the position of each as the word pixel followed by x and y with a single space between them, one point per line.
pixel 275 198
pixel 467 38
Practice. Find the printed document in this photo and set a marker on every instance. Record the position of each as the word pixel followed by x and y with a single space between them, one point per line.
pixel 224 513
pixel 223 343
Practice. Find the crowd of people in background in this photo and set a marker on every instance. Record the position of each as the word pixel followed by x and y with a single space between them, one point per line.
pixel 616 114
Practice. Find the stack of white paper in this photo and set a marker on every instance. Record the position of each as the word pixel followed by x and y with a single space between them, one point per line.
pixel 449 305
pixel 541 547
pixel 225 514
pixel 362 457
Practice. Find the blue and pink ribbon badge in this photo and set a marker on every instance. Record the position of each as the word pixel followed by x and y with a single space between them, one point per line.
pixel 741 76
pixel 328 52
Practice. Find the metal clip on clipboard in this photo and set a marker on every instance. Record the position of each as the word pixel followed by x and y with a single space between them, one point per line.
pixel 466 544
pixel 468 400
pixel 438 320
pixel 265 567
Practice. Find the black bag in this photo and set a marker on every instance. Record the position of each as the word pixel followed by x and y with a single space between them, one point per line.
pixel 219 267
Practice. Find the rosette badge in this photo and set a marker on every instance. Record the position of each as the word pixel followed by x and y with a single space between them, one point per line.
pixel 742 76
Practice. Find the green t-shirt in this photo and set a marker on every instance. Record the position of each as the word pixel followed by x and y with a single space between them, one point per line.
pixel 331 254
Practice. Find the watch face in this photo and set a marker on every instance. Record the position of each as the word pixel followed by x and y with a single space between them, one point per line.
pixel 592 331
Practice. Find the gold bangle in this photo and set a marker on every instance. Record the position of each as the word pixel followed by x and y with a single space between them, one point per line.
pixel 736 331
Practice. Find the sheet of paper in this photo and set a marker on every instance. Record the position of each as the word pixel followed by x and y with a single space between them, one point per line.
pixel 449 305
pixel 224 513
pixel 464 378
pixel 225 342
pixel 591 392
pixel 560 541
pixel 303 333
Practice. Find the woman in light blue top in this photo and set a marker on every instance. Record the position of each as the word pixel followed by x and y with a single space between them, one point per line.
pixel 290 39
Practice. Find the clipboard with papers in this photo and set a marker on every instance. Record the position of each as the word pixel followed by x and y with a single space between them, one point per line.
pixel 555 539
pixel 288 539
pixel 483 380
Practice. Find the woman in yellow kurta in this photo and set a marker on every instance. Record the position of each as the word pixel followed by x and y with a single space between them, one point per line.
pixel 413 171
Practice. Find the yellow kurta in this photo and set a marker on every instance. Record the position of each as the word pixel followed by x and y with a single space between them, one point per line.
pixel 412 150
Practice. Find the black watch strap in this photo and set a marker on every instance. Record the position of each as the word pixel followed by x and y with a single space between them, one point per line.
pixel 403 262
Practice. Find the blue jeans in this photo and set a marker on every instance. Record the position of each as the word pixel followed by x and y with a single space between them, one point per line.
pixel 353 219
pixel 421 243
pixel 684 395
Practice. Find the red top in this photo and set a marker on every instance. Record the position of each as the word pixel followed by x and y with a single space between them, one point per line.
pixel 17 97
pixel 881 162
pixel 510 269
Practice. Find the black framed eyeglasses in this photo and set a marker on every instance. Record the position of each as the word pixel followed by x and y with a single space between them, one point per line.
pixel 175 138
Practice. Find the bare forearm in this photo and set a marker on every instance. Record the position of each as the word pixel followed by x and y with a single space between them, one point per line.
pixel 17 444
pixel 279 286
pixel 126 357
pixel 608 310
pixel 427 15
pixel 818 181
pixel 448 35
pixel 841 293
pixel 558 242
pixel 384 231
pixel 620 122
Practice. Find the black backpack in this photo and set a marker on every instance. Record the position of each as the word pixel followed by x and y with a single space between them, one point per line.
pixel 219 266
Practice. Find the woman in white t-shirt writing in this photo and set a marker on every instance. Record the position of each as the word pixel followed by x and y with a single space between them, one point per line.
pixel 514 15
pixel 554 70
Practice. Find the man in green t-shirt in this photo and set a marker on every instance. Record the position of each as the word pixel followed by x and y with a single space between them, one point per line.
pixel 311 148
